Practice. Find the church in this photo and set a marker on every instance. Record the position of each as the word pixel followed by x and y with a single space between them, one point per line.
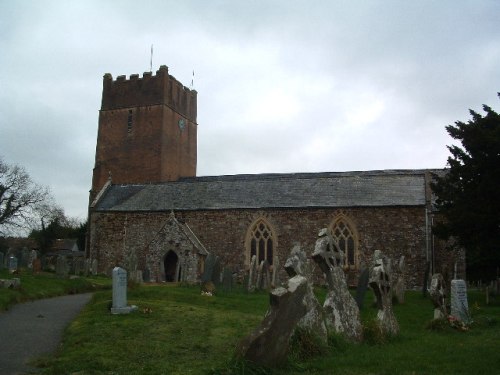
pixel 149 211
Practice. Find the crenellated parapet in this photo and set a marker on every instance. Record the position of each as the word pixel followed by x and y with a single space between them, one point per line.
pixel 158 89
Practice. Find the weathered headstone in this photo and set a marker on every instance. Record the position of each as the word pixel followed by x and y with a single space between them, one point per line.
pixel 33 255
pixel 12 264
pixel 362 287
pixel 120 292
pixel 314 319
pixel 268 344
pixel 380 282
pixel 136 276
pixel 78 267
pixel 437 291
pixel 252 274
pixel 459 304
pixel 209 268
pixel 1 261
pixel 258 281
pixel 340 308
pixel 275 282
pixel 227 279
pixel 62 268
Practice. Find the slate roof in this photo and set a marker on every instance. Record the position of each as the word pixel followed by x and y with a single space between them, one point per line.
pixel 296 190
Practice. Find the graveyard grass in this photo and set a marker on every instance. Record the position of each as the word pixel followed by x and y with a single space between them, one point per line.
pixel 178 331
pixel 46 285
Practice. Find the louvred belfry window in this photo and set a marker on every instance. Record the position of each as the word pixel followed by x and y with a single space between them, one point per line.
pixel 262 242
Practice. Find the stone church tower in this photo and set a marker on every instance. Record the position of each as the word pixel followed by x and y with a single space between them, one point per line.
pixel 147 131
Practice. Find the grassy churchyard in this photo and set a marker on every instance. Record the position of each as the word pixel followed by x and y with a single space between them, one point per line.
pixel 178 331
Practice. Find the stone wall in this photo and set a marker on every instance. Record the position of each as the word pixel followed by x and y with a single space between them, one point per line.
pixel 394 230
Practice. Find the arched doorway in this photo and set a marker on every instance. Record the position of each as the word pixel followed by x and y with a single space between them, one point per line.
pixel 170 262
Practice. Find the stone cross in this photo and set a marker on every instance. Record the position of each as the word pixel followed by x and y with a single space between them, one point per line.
pixel 340 308
pixel 437 292
pixel 380 282
pixel 120 292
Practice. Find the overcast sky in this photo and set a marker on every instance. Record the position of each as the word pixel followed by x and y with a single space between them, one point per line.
pixel 283 86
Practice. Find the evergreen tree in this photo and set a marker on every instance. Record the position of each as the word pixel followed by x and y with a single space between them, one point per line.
pixel 468 195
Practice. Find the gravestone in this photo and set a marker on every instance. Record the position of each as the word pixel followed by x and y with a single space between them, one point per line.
pixel 438 296
pixel 380 282
pixel 362 287
pixel 459 304
pixel 62 267
pixel 268 344
pixel 227 279
pixel 24 257
pixel 136 276
pixel 258 281
pixel 275 282
pixel 12 264
pixel 1 260
pixel 252 274
pixel 120 292
pixel 32 257
pixel 209 268
pixel 340 308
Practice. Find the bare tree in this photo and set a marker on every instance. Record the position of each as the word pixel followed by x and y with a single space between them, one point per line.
pixel 20 198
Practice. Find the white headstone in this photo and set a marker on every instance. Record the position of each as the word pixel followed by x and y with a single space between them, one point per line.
pixel 12 264
pixel 459 304
pixel 120 292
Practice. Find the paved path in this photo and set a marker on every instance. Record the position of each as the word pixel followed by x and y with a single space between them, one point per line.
pixel 31 329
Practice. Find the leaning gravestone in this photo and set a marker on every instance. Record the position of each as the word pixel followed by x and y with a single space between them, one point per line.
pixel 459 304
pixel 12 264
pixel 340 308
pixel 120 292
pixel 268 344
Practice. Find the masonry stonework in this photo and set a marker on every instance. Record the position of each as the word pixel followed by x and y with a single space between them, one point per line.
pixel 395 231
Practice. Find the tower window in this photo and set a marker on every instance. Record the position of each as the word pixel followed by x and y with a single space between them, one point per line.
pixel 129 121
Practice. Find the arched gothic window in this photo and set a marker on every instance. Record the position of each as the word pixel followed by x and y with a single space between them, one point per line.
pixel 261 242
pixel 344 234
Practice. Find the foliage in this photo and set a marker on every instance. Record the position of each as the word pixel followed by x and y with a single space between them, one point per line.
pixel 468 195
pixel 59 227
pixel 21 200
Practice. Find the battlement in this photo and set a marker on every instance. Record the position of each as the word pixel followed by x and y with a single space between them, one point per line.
pixel 161 88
